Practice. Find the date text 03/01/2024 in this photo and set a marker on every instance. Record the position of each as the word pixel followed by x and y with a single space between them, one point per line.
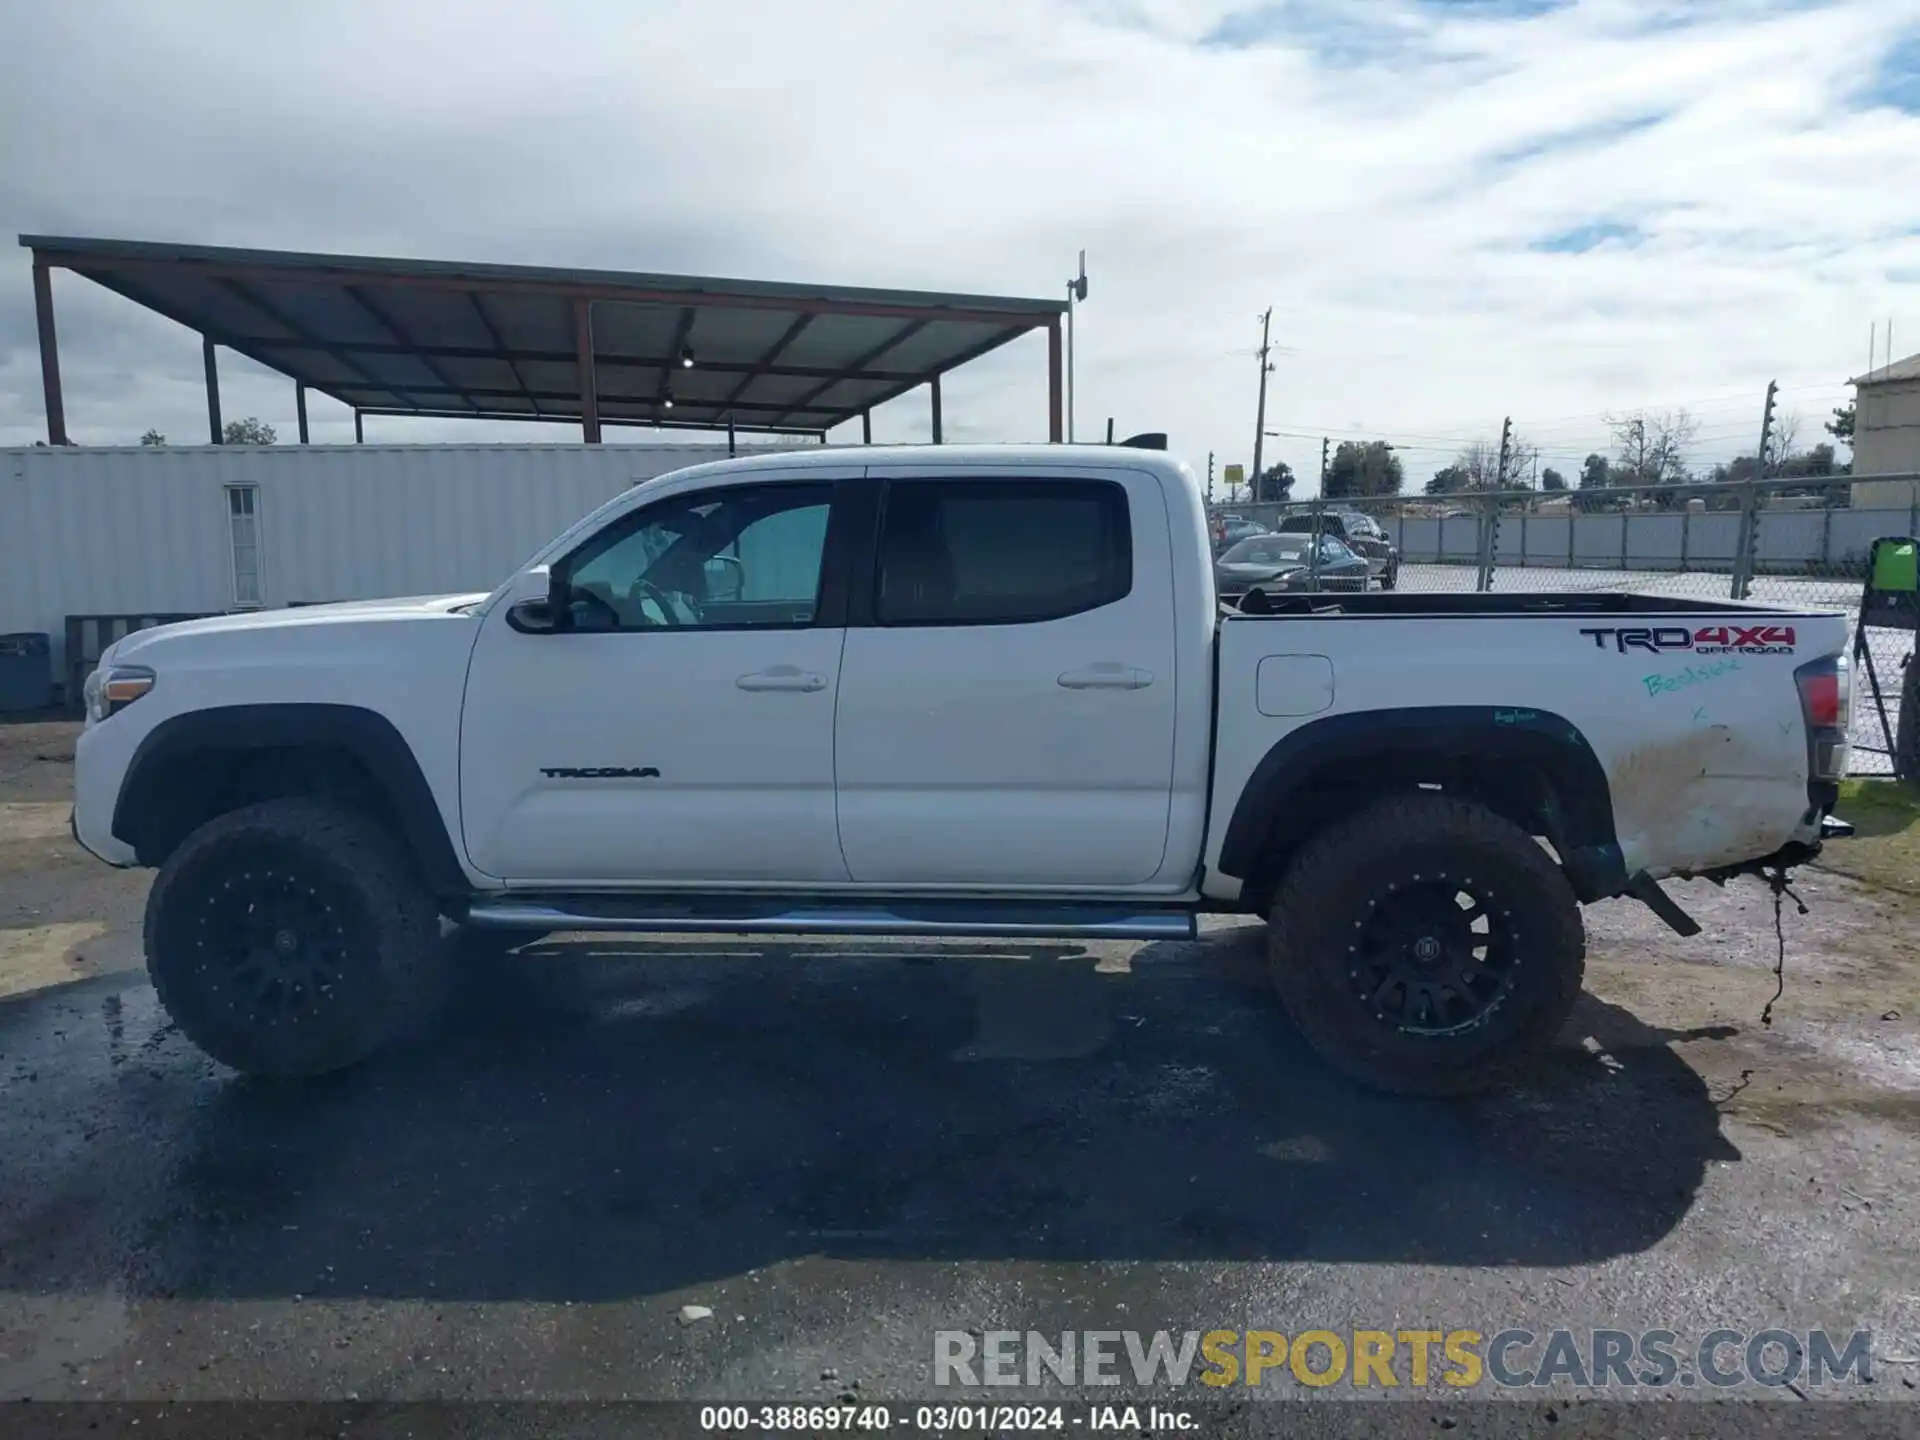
pixel 943 1419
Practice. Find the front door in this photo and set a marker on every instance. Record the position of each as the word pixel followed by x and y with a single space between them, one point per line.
pixel 678 728
pixel 1007 711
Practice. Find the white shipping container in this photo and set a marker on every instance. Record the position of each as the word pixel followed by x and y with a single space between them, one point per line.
pixel 199 530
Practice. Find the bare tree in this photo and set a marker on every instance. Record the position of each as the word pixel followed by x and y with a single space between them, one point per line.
pixel 1480 464
pixel 1522 459
pixel 1651 446
pixel 1781 441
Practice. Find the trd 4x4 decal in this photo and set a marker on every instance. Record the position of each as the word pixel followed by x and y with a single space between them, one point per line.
pixel 1708 640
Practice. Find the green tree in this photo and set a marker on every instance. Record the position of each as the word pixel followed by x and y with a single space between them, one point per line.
pixel 1364 469
pixel 1595 474
pixel 1841 426
pixel 1275 482
pixel 250 431
pixel 153 437
pixel 1552 479
pixel 1450 480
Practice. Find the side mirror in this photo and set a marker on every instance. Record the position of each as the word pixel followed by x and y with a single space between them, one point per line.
pixel 726 578
pixel 532 606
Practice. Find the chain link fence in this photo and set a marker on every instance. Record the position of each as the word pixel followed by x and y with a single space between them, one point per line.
pixel 1767 541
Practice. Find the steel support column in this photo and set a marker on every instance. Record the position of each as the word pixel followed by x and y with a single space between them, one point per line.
pixel 49 353
pixel 215 433
pixel 733 444
pixel 1056 418
pixel 933 389
pixel 589 385
pixel 359 435
pixel 300 407
pixel 866 427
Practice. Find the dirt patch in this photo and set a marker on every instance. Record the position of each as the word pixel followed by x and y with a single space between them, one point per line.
pixel 1885 848
pixel 63 915
pixel 1847 1019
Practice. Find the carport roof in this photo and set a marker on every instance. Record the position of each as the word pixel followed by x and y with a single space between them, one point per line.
pixel 521 342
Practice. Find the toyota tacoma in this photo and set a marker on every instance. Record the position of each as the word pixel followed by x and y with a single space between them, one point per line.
pixel 944 691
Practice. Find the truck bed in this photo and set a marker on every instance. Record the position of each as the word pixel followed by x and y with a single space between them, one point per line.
pixel 1684 715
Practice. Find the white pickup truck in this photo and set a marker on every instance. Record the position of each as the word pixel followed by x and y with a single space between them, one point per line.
pixel 945 691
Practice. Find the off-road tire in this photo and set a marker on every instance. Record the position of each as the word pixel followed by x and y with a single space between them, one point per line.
pixel 1391 579
pixel 1326 907
pixel 291 937
pixel 1906 744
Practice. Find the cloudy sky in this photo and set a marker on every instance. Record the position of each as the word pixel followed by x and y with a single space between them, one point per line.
pixel 1458 209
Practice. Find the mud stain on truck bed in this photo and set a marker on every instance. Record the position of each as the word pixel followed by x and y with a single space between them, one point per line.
pixel 1711 797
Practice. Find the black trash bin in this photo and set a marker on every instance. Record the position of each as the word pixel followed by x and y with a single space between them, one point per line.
pixel 26 673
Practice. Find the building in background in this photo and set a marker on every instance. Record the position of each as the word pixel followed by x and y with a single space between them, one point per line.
pixel 1886 435
pixel 98 540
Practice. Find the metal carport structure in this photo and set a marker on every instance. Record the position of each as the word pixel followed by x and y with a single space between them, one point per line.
pixel 517 342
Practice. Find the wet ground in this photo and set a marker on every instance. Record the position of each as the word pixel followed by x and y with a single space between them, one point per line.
pixel 838 1148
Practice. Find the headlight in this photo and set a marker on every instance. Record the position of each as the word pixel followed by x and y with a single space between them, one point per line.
pixel 111 689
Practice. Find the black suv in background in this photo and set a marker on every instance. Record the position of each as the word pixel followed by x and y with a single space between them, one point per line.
pixel 1361 533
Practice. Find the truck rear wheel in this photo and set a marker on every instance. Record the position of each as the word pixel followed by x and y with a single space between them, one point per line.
pixel 290 937
pixel 1426 946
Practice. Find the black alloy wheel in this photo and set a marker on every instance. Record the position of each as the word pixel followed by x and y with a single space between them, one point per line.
pixel 1435 956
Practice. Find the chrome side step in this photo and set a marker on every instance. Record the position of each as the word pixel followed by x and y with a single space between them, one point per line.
pixel 747 915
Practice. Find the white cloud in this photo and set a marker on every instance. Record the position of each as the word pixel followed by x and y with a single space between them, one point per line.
pixel 1347 174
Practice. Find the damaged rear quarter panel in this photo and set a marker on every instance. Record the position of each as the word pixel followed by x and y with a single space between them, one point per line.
pixel 1708 763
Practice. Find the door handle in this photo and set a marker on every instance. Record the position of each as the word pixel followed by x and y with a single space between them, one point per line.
pixel 1107 676
pixel 782 677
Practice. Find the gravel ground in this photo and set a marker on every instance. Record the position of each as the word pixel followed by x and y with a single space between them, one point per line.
pixel 838 1148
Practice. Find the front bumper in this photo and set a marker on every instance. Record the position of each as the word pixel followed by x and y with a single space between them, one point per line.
pixel 101 757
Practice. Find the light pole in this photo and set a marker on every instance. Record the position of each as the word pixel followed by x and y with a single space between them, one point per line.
pixel 1076 290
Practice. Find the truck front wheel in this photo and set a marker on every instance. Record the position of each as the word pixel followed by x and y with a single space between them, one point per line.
pixel 290 937
pixel 1426 946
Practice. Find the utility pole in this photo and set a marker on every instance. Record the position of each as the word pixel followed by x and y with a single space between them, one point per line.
pixel 1209 477
pixel 1506 442
pixel 1323 465
pixel 1076 290
pixel 1260 414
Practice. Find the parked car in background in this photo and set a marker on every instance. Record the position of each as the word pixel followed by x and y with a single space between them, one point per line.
pixel 1285 562
pixel 1232 529
pixel 1360 533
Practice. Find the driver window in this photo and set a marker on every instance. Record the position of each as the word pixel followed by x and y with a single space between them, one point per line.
pixel 716 559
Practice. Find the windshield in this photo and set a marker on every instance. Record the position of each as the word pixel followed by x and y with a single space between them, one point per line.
pixel 1268 550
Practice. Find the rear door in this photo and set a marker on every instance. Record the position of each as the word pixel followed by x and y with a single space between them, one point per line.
pixel 1007 691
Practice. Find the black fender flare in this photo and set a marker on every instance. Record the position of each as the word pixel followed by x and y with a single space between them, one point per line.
pixel 1338 749
pixel 369 738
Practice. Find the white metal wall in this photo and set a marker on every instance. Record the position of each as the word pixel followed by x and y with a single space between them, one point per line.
pixel 87 530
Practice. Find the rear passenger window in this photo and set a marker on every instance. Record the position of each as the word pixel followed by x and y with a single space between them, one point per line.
pixel 999 552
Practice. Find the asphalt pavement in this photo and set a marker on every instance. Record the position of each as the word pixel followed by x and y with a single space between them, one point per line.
pixel 838 1149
